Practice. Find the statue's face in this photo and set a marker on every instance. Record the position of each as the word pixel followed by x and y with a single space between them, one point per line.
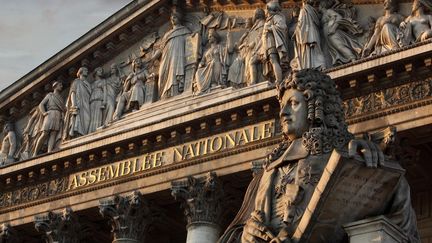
pixel 99 72
pixel 84 72
pixel 59 87
pixel 388 4
pixel 293 114
pixel 175 20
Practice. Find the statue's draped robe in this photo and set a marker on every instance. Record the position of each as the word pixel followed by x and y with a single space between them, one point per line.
pixel 275 41
pixel 172 64
pixel 78 122
pixel 96 103
pixel 250 49
pixel 303 172
pixel 387 28
pixel 213 69
pixel 307 47
pixel 113 87
pixel 342 44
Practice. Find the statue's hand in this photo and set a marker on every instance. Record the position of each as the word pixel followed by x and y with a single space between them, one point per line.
pixel 255 231
pixel 370 151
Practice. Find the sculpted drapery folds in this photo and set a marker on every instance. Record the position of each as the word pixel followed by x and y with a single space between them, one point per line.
pixel 418 26
pixel 274 40
pixel 211 71
pixel 307 46
pixel 313 124
pixel 77 120
pixel 133 94
pixel 384 37
pixel 247 67
pixel 98 100
pixel 173 59
pixel 113 89
pixel 9 145
pixel 339 35
pixel 52 108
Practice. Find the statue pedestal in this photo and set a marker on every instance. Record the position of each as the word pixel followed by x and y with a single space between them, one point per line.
pixel 203 233
pixel 377 230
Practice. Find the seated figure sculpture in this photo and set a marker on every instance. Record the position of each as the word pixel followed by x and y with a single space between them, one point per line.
pixel 385 33
pixel 418 26
pixel 313 124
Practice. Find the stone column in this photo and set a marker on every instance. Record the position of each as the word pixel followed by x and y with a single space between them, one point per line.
pixel 60 227
pixel 130 217
pixel 201 199
pixel 9 235
pixel 377 230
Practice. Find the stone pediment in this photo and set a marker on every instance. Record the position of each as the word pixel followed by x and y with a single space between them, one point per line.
pixel 140 30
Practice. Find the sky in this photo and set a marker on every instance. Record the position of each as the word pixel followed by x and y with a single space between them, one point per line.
pixel 32 31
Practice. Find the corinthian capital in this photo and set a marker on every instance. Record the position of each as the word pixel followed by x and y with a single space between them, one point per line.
pixel 9 235
pixel 201 198
pixel 60 227
pixel 130 216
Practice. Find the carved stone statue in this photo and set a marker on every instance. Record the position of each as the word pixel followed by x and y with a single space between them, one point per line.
pixel 313 125
pixel 98 100
pixel 384 37
pixel 274 39
pixel 307 46
pixel 9 145
pixel 133 95
pixel 247 67
pixel 113 89
pixel 339 34
pixel 52 108
pixel 418 26
pixel 211 70
pixel 173 59
pixel 31 133
pixel 77 120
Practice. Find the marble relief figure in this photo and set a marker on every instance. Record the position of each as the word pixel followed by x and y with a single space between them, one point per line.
pixel 307 40
pixel 133 94
pixel 274 40
pixel 9 145
pixel 386 30
pixel 113 89
pixel 247 67
pixel 52 108
pixel 313 125
pixel 338 33
pixel 211 70
pixel 172 58
pixel 418 26
pixel 77 119
pixel 98 100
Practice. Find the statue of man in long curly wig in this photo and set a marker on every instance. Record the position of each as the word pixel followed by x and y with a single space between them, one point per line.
pixel 313 125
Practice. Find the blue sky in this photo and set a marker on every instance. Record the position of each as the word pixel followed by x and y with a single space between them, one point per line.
pixel 31 31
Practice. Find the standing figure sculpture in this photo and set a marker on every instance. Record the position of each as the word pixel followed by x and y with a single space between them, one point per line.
pixel 313 125
pixel 52 108
pixel 248 65
pixel 77 120
pixel 384 37
pixel 113 89
pixel 274 39
pixel 31 133
pixel 9 145
pixel 133 94
pixel 173 59
pixel 98 100
pixel 211 70
pixel 339 34
pixel 307 46
pixel 418 26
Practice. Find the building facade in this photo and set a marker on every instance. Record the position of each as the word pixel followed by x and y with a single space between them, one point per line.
pixel 151 126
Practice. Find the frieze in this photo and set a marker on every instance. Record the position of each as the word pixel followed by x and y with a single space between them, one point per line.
pixel 152 160
pixel 387 98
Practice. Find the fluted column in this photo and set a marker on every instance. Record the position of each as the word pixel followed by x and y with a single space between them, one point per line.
pixel 60 227
pixel 130 217
pixel 201 199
